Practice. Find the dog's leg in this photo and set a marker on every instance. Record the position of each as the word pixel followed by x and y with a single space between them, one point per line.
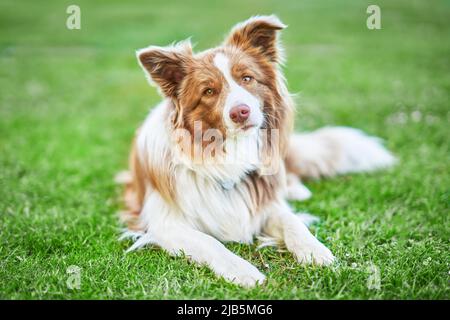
pixel 282 224
pixel 296 190
pixel 204 249
pixel 166 228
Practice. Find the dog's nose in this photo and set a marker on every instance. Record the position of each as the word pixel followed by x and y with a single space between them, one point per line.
pixel 240 113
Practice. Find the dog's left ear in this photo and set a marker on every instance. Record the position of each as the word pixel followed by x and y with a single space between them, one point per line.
pixel 258 33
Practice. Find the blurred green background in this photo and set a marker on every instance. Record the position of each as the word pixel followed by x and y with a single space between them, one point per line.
pixel 70 101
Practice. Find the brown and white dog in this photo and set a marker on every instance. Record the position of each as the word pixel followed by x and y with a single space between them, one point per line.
pixel 187 197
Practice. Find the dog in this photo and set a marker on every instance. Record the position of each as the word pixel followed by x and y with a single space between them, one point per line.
pixel 188 201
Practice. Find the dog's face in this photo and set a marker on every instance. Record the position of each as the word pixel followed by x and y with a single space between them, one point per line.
pixel 231 88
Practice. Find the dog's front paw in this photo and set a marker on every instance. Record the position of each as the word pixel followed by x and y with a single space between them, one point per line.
pixel 313 252
pixel 243 274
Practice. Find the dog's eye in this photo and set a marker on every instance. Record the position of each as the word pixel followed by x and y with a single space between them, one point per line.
pixel 247 79
pixel 208 92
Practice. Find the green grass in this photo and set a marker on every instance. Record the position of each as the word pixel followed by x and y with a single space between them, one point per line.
pixel 71 100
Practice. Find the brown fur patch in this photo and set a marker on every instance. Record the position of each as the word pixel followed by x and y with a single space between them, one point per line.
pixel 260 35
pixel 261 189
pixel 145 175
pixel 134 191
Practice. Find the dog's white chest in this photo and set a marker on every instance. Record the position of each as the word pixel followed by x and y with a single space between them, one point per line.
pixel 217 208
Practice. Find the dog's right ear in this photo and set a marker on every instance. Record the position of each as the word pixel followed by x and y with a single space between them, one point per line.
pixel 260 33
pixel 166 66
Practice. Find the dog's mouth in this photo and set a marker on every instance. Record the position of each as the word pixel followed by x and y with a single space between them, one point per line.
pixel 245 128
pixel 248 126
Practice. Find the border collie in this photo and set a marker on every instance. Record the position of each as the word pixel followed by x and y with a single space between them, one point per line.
pixel 216 160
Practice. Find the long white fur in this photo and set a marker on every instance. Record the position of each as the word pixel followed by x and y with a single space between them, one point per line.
pixel 338 150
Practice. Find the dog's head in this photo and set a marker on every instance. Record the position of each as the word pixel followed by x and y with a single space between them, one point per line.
pixel 234 88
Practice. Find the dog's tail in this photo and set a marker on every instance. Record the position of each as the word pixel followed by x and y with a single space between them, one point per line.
pixel 336 150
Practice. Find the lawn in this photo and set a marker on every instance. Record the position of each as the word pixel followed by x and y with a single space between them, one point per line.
pixel 71 99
